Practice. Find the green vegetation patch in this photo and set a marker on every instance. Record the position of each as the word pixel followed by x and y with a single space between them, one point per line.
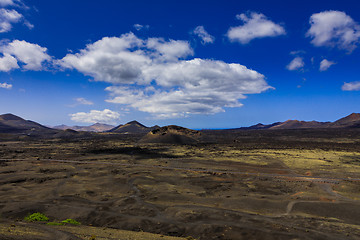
pixel 55 223
pixel 36 217
pixel 64 222
pixel 71 221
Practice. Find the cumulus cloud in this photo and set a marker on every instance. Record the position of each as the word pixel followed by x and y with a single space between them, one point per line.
pixel 111 59
pixel 151 75
pixel 6 85
pixel 171 104
pixel 169 50
pixel 256 25
pixel 325 65
pixel 334 29
pixel 203 35
pixel 139 27
pixel 32 55
pixel 7 18
pixel 351 86
pixel 8 63
pixel 5 3
pixel 124 59
pixel 296 64
pixel 96 116
pixel 202 87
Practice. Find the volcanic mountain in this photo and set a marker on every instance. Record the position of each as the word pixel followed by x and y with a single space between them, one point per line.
pixel 173 135
pixel 289 124
pixel 351 121
pixel 97 127
pixel 132 127
pixel 10 123
pixel 295 124
pixel 259 126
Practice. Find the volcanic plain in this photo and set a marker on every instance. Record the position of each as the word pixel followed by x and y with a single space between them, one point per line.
pixel 226 184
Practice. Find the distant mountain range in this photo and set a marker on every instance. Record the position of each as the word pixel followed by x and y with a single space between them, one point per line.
pixel 11 124
pixel 97 127
pixel 351 121
pixel 132 127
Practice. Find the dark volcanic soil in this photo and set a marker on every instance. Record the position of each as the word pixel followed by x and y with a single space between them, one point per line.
pixel 292 188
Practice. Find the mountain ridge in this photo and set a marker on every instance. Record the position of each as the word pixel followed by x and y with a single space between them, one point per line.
pixel 96 127
pixel 350 121
pixel 10 123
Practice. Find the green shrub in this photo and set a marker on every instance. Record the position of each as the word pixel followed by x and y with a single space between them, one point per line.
pixel 55 223
pixel 71 221
pixel 36 217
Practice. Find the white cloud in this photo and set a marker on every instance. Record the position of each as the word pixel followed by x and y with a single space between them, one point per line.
pixel 325 65
pixel 6 85
pixel 5 3
pixel 171 50
pixel 203 35
pixel 7 63
pixel 7 18
pixel 124 59
pixel 139 27
pixel 151 76
pixel 173 104
pixel 296 64
pixel 113 60
pixel 83 101
pixel 256 25
pixel 28 24
pixel 192 87
pixel 32 55
pixel 334 29
pixel 96 116
pixel 351 86
pixel 297 52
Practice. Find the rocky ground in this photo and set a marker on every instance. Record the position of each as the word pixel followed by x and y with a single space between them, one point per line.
pixel 254 185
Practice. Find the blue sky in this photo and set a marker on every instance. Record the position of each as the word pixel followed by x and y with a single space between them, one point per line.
pixel 198 64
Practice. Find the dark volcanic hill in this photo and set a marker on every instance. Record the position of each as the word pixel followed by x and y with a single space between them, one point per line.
pixel 10 123
pixel 132 127
pixel 172 135
pixel 295 124
pixel 259 126
pixel 353 120
pixel 97 127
